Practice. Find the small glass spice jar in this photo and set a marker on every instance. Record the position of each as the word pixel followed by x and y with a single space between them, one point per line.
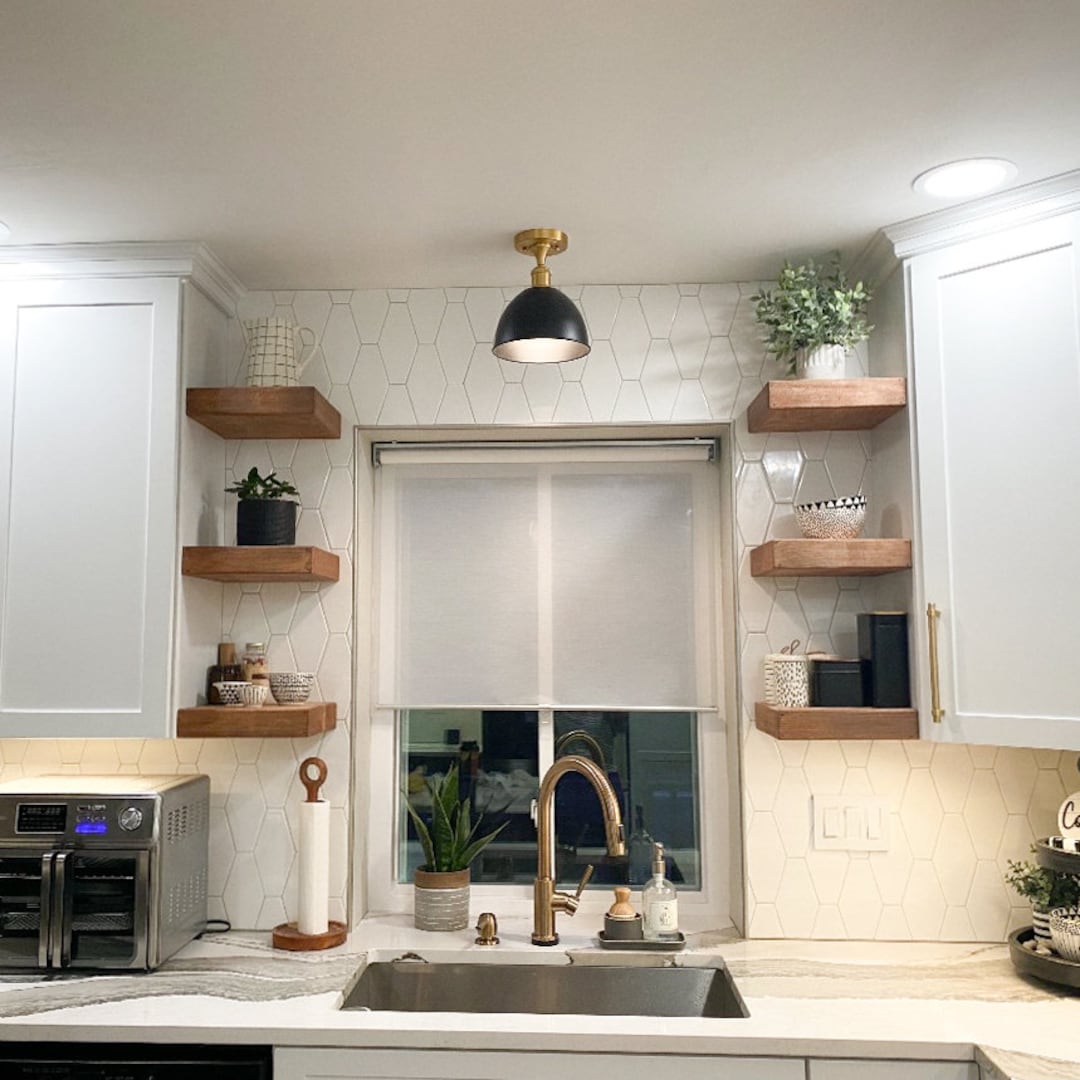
pixel 254 664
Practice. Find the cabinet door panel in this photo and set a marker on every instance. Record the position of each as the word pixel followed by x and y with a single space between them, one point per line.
pixel 87 543
pixel 893 1070
pixel 320 1064
pixel 997 393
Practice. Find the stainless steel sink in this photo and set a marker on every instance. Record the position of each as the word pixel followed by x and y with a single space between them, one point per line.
pixel 586 989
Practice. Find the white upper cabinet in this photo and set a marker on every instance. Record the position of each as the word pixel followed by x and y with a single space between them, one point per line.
pixel 995 335
pixel 90 418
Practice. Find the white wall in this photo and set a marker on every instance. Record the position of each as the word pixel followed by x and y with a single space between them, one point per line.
pixel 660 353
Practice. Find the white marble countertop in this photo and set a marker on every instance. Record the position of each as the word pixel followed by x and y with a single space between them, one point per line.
pixel 809 999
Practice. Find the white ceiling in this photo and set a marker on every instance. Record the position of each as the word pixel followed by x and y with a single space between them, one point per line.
pixel 355 143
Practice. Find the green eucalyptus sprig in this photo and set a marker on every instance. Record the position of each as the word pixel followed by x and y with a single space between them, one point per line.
pixel 812 304
pixel 451 843
pixel 1046 888
pixel 254 486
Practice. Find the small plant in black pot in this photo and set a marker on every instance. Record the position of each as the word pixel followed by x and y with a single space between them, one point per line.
pixel 264 516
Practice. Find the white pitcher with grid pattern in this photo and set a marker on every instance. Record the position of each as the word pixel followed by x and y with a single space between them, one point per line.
pixel 271 351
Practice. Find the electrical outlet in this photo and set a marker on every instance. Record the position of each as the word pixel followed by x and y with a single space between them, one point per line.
pixel 850 823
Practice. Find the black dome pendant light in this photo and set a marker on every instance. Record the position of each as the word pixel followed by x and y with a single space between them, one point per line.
pixel 541 325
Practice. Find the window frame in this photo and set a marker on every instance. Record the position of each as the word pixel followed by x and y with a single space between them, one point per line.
pixel 376 746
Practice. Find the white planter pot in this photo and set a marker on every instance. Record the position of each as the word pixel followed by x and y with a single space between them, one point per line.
pixel 441 901
pixel 823 362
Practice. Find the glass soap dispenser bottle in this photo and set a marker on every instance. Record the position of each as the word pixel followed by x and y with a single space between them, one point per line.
pixel 659 902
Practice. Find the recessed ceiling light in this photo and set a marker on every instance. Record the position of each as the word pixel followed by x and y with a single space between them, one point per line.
pixel 972 176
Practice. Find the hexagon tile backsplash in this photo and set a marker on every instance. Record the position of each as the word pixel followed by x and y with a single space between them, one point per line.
pixel 660 353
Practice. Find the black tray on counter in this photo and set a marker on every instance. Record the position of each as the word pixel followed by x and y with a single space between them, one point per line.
pixel 1054 969
pixel 672 944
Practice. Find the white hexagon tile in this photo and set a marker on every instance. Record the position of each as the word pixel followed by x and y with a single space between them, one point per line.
pixel 660 353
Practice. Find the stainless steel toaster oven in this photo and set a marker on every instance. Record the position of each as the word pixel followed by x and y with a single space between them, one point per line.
pixel 101 872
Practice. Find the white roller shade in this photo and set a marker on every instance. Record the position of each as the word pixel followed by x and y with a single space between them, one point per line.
pixel 539 580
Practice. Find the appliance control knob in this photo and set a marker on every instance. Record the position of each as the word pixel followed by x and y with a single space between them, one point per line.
pixel 131 818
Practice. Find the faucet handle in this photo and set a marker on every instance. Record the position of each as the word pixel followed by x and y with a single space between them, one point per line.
pixel 585 878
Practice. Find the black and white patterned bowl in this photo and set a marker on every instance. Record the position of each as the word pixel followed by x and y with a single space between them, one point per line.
pixel 291 687
pixel 1065 933
pixel 229 692
pixel 253 693
pixel 832 519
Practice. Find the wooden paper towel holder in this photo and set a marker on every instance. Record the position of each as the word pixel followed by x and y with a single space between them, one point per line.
pixel 287 935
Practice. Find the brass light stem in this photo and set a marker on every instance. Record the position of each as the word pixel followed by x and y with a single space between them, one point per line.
pixel 541 275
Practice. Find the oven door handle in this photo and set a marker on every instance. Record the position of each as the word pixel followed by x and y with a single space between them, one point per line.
pixel 45 910
pixel 61 920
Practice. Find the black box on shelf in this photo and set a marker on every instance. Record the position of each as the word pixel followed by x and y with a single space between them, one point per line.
pixel 836 683
pixel 883 649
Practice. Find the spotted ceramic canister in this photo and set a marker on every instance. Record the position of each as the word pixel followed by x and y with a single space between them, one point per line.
pixel 787 680
pixel 441 901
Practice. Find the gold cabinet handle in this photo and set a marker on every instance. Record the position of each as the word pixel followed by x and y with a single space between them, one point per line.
pixel 936 711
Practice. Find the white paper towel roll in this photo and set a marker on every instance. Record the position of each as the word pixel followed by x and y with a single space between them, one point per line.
pixel 314 897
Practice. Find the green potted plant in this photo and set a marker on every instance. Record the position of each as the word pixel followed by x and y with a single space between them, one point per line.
pixel 1046 889
pixel 813 316
pixel 441 884
pixel 263 515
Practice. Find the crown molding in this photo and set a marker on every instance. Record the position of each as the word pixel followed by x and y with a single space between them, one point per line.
pixel 194 261
pixel 876 262
pixel 1004 210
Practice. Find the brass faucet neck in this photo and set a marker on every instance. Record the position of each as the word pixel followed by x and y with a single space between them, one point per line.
pixel 546 900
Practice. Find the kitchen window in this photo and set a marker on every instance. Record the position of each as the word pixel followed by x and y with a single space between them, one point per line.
pixel 537 599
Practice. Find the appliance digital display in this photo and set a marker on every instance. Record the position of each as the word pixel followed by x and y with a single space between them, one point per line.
pixel 91 828
pixel 41 818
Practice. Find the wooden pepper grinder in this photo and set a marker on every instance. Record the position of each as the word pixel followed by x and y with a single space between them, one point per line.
pixel 312 930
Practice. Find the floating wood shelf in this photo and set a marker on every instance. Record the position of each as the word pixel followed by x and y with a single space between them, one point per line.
pixel 261 722
pixel 264 412
pixel 827 723
pixel 822 558
pixel 825 404
pixel 271 563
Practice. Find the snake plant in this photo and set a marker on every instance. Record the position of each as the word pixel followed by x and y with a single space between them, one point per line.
pixel 451 842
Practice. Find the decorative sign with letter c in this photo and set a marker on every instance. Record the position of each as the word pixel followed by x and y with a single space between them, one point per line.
pixel 1068 818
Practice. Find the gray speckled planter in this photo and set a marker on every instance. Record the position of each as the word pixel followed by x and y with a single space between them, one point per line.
pixel 441 901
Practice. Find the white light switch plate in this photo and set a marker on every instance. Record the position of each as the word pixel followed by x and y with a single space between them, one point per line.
pixel 850 823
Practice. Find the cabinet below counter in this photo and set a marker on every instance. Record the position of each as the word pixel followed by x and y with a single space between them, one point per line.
pixel 310 1064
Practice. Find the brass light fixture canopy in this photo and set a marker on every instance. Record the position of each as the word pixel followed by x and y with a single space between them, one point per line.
pixel 541 325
